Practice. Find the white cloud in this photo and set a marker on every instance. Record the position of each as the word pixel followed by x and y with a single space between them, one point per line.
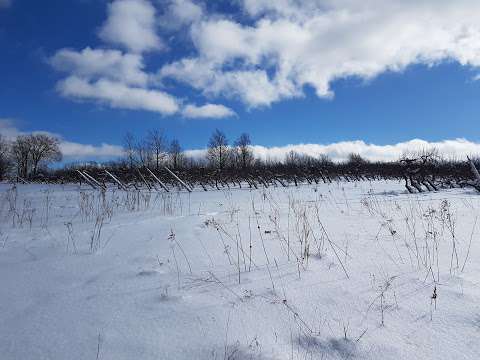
pixel 8 129
pixel 70 150
pixel 132 24
pixel 93 63
pixel 198 73
pixel 5 3
pixel 207 111
pixel 118 79
pixel 110 77
pixel 253 87
pixel 273 50
pixel 289 44
pixel 181 12
pixel 76 151
pixel 118 95
pixel 457 148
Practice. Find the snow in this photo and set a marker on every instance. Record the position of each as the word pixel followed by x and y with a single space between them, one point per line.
pixel 139 275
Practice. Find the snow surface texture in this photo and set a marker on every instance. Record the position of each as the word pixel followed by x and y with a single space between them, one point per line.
pixel 341 271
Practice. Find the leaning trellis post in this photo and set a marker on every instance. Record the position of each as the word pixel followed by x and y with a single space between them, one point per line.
pixel 89 182
pixel 143 179
pixel 158 180
pixel 178 179
pixel 474 170
pixel 280 181
pixel 95 181
pixel 476 183
pixel 22 180
pixel 252 182
pixel 116 180
pixel 262 181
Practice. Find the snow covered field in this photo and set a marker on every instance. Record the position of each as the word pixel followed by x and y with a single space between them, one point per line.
pixel 341 271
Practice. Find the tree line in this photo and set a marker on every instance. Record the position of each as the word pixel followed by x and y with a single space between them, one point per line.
pixel 155 151
pixel 28 155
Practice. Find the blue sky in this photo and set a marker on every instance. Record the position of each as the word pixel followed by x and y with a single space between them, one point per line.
pixel 322 84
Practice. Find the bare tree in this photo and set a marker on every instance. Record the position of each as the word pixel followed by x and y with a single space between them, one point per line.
pixel 157 143
pixel 143 152
pixel 292 158
pixel 218 151
pixel 175 153
pixel 129 148
pixel 20 153
pixel 356 159
pixel 5 161
pixel 43 150
pixel 243 150
pixel 325 160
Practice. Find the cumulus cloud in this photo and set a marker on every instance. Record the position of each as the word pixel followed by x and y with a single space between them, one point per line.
pixel 181 12
pixel 70 150
pixel 253 87
pixel 132 24
pixel 110 76
pixel 268 51
pixel 118 79
pixel 93 63
pixel 118 95
pixel 207 111
pixel 289 44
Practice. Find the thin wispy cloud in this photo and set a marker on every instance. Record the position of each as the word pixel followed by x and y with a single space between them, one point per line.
pixel 8 129
pixel 5 4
